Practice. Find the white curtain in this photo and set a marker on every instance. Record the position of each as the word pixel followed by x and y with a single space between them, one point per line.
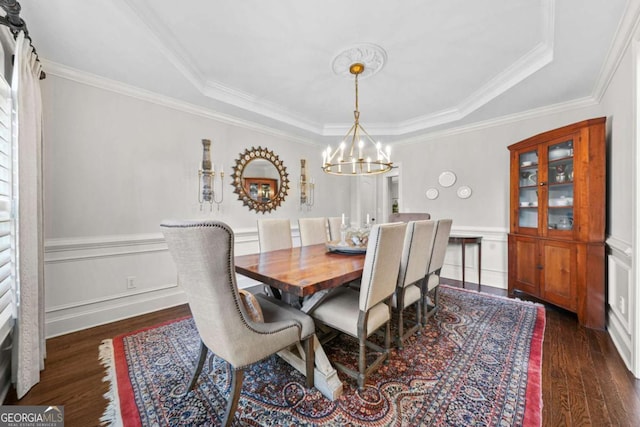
pixel 29 339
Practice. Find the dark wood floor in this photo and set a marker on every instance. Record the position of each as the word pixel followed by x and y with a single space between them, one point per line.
pixel 584 381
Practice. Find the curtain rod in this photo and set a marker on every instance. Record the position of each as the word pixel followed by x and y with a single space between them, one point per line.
pixel 16 24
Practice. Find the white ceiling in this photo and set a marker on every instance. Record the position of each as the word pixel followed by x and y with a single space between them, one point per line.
pixel 448 62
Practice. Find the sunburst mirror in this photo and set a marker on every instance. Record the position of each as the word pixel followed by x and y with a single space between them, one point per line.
pixel 260 179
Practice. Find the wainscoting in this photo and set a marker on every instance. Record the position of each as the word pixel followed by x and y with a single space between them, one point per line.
pixel 96 280
pixel 494 257
pixel 621 299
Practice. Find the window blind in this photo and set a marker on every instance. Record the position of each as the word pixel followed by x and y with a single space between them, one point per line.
pixel 7 235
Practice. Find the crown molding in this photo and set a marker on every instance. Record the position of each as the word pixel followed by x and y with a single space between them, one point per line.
pixel 178 56
pixel 527 65
pixel 628 27
pixel 538 57
pixel 99 82
pixel 161 37
pixel 575 104
pixel 246 101
pixel 83 77
pixel 531 62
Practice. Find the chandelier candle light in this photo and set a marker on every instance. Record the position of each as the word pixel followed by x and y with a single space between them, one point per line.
pixel 355 163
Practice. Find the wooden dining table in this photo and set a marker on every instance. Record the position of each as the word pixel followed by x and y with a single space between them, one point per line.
pixel 305 276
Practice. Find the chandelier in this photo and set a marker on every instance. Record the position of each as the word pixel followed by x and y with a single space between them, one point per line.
pixel 349 157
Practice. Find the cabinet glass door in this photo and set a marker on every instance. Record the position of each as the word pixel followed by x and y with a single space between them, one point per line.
pixel 528 190
pixel 560 193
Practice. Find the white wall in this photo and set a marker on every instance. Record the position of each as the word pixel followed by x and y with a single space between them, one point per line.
pixel 116 165
pixel 618 103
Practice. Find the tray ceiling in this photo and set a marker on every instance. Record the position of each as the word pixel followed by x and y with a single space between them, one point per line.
pixel 447 61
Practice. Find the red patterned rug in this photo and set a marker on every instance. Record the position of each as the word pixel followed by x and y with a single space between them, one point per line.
pixel 478 362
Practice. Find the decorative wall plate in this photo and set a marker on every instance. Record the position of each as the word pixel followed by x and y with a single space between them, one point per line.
pixel 447 178
pixel 432 193
pixel 464 192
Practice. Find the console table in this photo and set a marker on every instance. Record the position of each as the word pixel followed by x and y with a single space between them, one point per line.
pixel 463 241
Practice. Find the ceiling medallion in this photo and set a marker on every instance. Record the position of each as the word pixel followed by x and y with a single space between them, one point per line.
pixel 372 56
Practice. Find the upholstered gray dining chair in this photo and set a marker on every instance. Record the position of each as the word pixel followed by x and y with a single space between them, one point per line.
pixel 334 227
pixel 360 314
pixel 432 282
pixel 203 253
pixel 313 231
pixel 274 234
pixel 416 253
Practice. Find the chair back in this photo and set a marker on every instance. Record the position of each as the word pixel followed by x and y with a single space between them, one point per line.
pixel 274 234
pixel 406 217
pixel 381 263
pixel 203 254
pixel 313 231
pixel 416 253
pixel 440 245
pixel 334 227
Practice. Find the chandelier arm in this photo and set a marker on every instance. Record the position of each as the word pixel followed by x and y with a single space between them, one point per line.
pixel 380 152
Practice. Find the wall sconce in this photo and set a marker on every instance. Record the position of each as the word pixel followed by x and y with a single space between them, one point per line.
pixel 207 179
pixel 307 187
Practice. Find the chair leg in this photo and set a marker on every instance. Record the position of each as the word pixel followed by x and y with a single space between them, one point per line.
pixel 387 341
pixel 424 295
pixel 400 308
pixel 428 313
pixel 232 404
pixel 419 316
pixel 362 362
pixel 203 356
pixel 309 354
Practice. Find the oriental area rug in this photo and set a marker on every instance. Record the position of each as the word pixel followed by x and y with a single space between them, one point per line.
pixel 476 363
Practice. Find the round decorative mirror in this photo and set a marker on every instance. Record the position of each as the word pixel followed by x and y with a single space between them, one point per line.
pixel 260 179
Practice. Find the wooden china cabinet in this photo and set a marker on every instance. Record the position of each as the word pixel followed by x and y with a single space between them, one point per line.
pixel 557 219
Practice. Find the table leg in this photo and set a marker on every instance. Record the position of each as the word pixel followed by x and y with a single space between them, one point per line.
pixel 463 266
pixel 479 263
pixel 325 376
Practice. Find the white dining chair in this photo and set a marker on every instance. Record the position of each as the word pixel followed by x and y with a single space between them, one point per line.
pixel 416 253
pixel 335 222
pixel 361 313
pixel 432 282
pixel 274 234
pixel 313 231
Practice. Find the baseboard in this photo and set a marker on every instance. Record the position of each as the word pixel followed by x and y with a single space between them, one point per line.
pixel 621 341
pixel 82 316
pixel 496 279
pixel 494 256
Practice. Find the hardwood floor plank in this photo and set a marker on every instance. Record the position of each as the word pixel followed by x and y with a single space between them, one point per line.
pixel 594 396
pixel 578 403
pixel 555 363
pixel 624 401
